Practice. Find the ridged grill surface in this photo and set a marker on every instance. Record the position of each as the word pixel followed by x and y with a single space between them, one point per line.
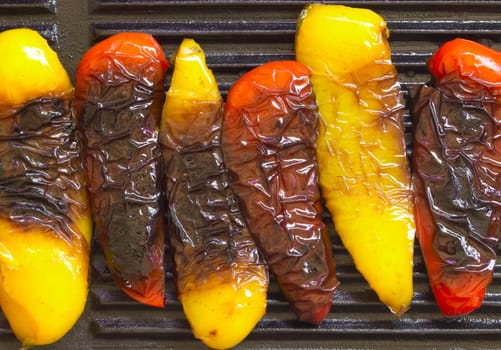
pixel 237 36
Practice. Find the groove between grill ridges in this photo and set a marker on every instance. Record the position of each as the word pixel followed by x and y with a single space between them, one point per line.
pixel 48 30
pixel 259 3
pixel 27 6
pixel 220 60
pixel 282 323
pixel 279 28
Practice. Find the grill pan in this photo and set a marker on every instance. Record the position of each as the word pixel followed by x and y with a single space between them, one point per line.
pixel 237 36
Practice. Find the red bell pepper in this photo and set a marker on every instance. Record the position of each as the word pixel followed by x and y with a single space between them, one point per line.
pixel 457 163
pixel 268 140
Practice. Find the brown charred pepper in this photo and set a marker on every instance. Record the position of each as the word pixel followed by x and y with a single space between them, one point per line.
pixel 118 101
pixel 457 157
pixel 269 132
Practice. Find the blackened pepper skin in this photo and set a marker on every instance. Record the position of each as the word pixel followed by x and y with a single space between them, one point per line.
pixel 119 97
pixel 457 163
pixel 269 133
pixel 206 224
pixel 38 149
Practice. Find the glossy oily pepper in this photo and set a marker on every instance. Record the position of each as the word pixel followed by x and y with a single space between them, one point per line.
pixel 221 278
pixel 364 171
pixel 269 132
pixel 45 221
pixel 118 102
pixel 457 161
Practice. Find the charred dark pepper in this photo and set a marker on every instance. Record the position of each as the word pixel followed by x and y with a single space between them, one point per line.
pixel 268 139
pixel 118 101
pixel 457 162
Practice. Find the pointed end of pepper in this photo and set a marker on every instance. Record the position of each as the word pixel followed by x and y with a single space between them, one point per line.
pixel 452 303
pixel 314 305
pixel 192 79
pixel 147 291
pixel 399 311
pixel 193 103
pixel 317 316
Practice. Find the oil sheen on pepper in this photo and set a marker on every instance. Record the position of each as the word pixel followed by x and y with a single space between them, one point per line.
pixel 221 277
pixel 118 101
pixel 269 133
pixel 457 162
pixel 45 219
pixel 364 170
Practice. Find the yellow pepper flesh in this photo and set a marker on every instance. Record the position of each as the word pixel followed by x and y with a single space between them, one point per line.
pixel 30 69
pixel 43 278
pixel 43 283
pixel 364 171
pixel 221 315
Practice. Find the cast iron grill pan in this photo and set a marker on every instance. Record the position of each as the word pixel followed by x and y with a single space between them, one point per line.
pixel 237 36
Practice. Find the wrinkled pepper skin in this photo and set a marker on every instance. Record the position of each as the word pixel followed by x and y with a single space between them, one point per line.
pixel 45 219
pixel 364 171
pixel 220 276
pixel 118 102
pixel 269 132
pixel 457 162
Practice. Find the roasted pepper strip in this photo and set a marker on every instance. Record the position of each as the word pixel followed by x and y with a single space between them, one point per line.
pixel 364 171
pixel 220 276
pixel 45 221
pixel 269 132
pixel 118 101
pixel 457 169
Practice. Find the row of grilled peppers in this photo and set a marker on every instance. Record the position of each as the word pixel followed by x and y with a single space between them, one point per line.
pixel 242 183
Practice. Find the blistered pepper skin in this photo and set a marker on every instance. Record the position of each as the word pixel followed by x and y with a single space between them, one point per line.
pixel 364 171
pixel 457 159
pixel 221 278
pixel 118 102
pixel 45 219
pixel 269 131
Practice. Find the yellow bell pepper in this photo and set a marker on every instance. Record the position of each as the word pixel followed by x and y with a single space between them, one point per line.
pixel 45 223
pixel 364 172
pixel 221 279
